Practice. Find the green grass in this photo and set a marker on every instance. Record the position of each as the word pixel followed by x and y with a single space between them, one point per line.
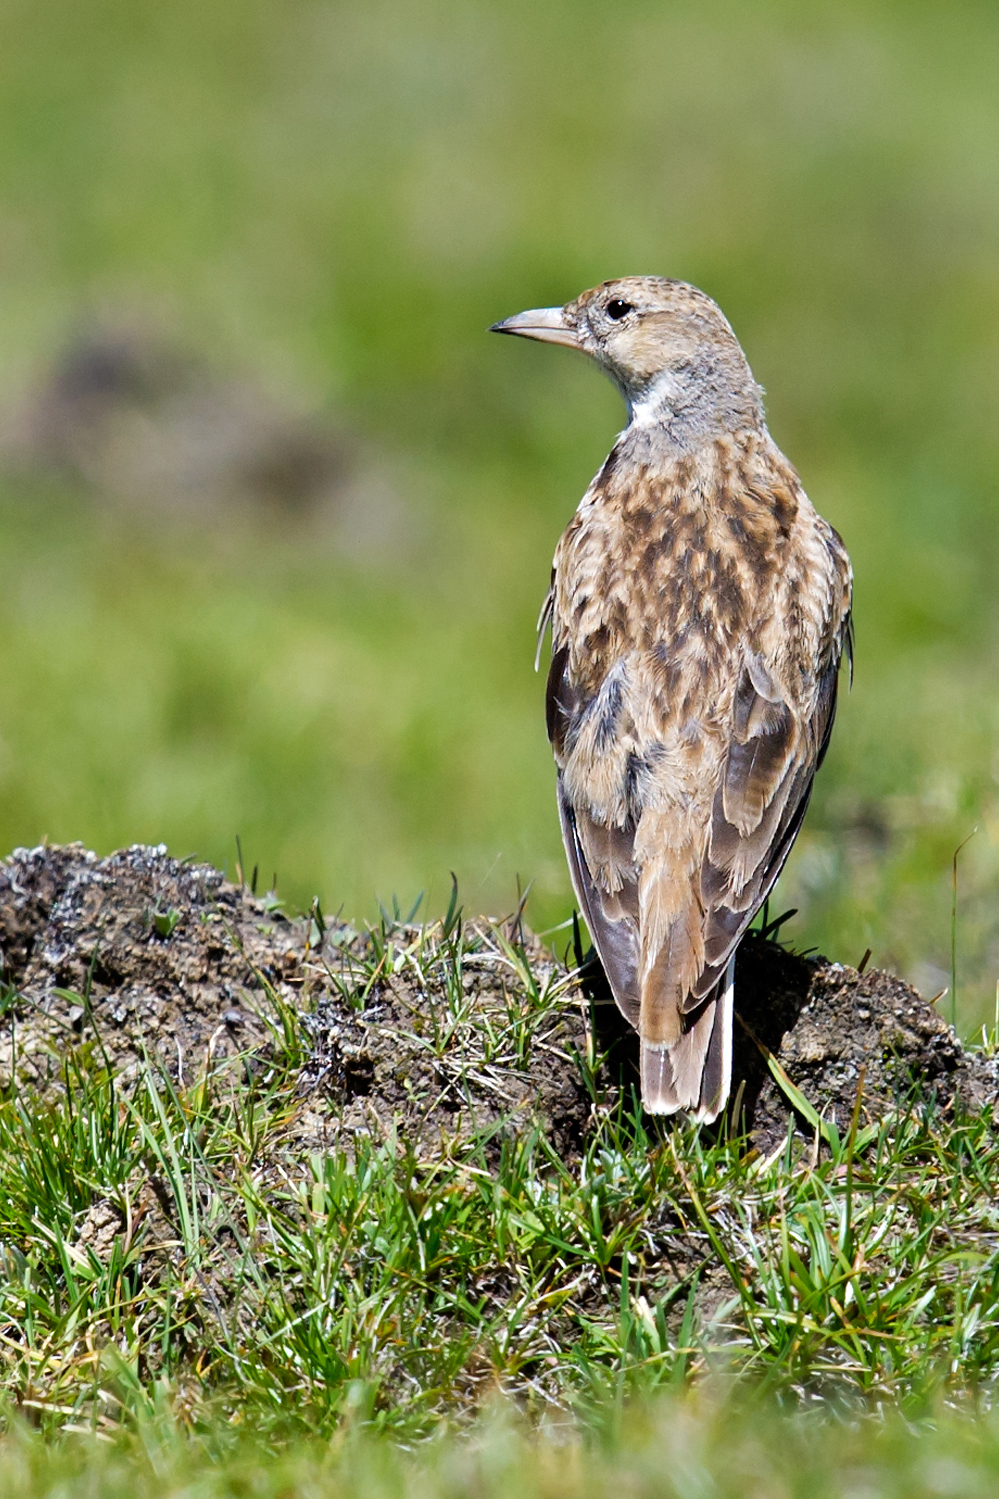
pixel 193 1302
pixel 186 1251
pixel 675 1449
pixel 340 199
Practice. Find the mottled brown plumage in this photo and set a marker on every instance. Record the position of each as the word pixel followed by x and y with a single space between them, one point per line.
pixel 699 608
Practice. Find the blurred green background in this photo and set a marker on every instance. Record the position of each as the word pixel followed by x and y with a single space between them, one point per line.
pixel 333 201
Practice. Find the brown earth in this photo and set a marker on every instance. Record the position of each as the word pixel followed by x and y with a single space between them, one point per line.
pixel 436 1032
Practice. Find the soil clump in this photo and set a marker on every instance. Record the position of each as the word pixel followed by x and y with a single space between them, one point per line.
pixel 433 1033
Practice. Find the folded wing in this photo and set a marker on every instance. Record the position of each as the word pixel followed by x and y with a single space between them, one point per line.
pixel 761 796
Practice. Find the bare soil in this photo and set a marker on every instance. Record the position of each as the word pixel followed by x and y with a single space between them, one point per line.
pixel 434 1034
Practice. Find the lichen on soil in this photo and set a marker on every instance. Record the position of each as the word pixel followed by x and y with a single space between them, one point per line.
pixel 433 1034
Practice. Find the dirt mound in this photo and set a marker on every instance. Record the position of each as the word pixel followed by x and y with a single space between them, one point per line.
pixel 835 1031
pixel 138 954
pixel 439 1032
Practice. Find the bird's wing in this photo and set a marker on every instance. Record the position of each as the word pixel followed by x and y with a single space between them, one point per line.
pixel 600 858
pixel 763 789
pixel 758 807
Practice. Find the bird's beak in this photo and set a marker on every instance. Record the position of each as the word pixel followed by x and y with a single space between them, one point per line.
pixel 547 324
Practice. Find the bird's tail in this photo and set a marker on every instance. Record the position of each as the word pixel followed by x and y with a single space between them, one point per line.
pixel 695 1072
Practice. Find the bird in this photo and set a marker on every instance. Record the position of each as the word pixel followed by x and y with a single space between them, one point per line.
pixel 700 608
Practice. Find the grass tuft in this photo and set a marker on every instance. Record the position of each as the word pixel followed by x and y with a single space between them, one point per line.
pixel 193 1249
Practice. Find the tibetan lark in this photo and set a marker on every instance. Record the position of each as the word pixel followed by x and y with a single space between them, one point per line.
pixel 699 608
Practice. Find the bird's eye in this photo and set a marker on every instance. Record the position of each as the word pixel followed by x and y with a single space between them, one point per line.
pixel 618 309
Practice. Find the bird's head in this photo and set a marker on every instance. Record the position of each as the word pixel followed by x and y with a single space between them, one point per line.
pixel 667 347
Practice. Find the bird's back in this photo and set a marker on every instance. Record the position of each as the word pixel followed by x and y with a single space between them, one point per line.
pixel 699 608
